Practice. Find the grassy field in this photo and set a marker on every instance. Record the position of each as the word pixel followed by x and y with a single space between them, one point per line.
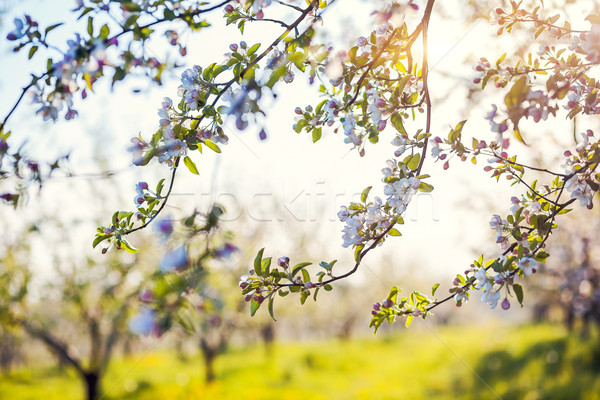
pixel 528 362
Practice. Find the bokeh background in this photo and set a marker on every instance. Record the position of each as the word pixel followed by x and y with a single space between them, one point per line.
pixel 283 193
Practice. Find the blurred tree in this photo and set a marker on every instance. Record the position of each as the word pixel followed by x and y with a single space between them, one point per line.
pixel 80 315
pixel 570 286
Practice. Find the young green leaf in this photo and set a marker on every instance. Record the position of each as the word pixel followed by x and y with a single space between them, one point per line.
pixel 190 165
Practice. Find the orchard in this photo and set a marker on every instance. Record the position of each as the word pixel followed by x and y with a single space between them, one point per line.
pixel 374 90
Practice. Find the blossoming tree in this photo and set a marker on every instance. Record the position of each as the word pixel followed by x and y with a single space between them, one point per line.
pixel 376 90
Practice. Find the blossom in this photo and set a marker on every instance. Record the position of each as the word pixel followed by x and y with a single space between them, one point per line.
pixel 174 260
pixel 18 32
pixel 491 297
pixel 497 223
pixel 390 169
pixel 527 265
pixel 164 227
pixel 283 262
pixel 435 146
pixel 226 251
pixel 481 276
pixel 343 213
pixel 349 123
pixel 400 143
pixel 374 213
pixel 401 192
pixel 140 187
pixel 351 231
pixel 143 322
pixel 137 150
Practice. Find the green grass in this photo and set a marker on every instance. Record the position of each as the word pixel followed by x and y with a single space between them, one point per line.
pixel 528 362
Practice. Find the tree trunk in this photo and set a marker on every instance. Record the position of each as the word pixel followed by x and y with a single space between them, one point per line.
pixel 209 362
pixel 92 384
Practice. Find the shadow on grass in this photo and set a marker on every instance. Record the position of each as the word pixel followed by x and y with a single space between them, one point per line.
pixel 563 368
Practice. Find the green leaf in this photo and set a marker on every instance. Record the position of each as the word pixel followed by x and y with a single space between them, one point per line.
pixel 104 31
pixel 516 93
pixel 357 252
pixel 593 19
pixel 253 49
pixel 316 134
pixel 519 136
pixel 434 288
pixel 190 165
pixel 128 247
pixel 169 14
pixel 409 320
pixel 315 293
pixel 298 267
pixel 397 122
pixel 305 275
pixel 402 83
pixel 414 162
pixel 266 266
pixel 160 185
pixel 254 306
pixel 51 27
pixel 32 51
pixel 99 239
pixel 425 187
pixel 90 26
pixel 212 146
pixel 519 292
pixel 304 296
pixel 365 194
pixel 271 309
pixel 456 133
pixel 394 232
pixel 258 262
pixel 328 287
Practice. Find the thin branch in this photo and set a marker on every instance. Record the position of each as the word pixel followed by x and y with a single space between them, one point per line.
pixel 163 204
pixel 14 107
pixel 363 253
pixel 289 5
pixel 57 347
pixel 425 22
pixel 291 27
pixel 369 66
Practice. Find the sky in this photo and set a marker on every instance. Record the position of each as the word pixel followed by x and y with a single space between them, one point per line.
pixel 286 184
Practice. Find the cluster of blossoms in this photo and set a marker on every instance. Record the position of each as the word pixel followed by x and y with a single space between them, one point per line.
pixel 82 60
pixel 145 197
pixel 261 282
pixel 583 96
pixel 375 106
pixel 583 184
pixel 24 27
pixel 179 131
pixel 368 221
pixel 398 190
pixel 349 125
pixel 498 127
pixel 588 43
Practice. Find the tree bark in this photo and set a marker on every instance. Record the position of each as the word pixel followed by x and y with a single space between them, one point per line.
pixel 92 384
